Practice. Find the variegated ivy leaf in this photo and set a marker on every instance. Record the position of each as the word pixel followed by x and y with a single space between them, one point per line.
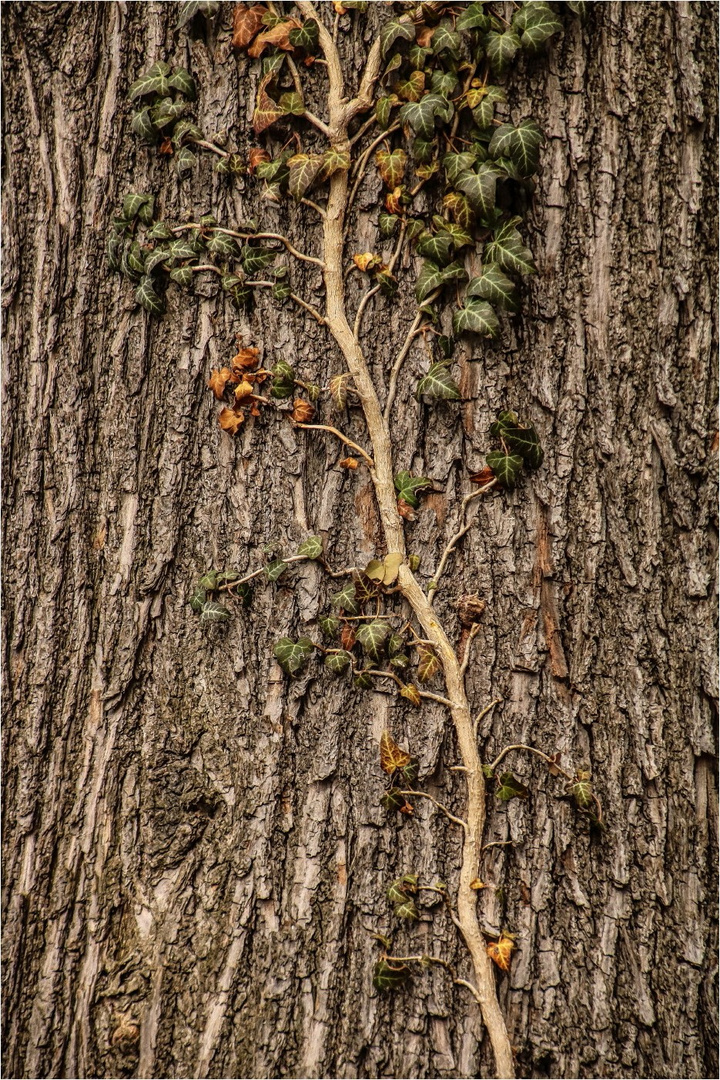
pixel 255 259
pixel 133 203
pixel 143 126
pixel 403 887
pixel 345 600
pixel 167 112
pixel 372 638
pixel 333 160
pixel 394 29
pixel 521 144
pixel 391 166
pixel 437 248
pixel 392 757
pixel 305 36
pixel 390 976
pixel 222 244
pixel 338 662
pixel 581 790
pixel 507 467
pixel 191 8
pixel 184 160
pixel 484 110
pixel 444 83
pixel 420 115
pixel 578 7
pixel 275 569
pixel 428 664
pixel 407 487
pixel 432 277
pixel 159 255
pixel 213 612
pixel 292 656
pixel 417 55
pixel 439 384
pixel 383 110
pixel 538 22
pixel 508 250
pixel 480 187
pixel 182 249
pixel 395 643
pixel 363 681
pixel 114 245
pixel 182 275
pixel 145 294
pixel 388 223
pixel 365 587
pixel 476 317
pixel 473 18
pixel 501 48
pixel 329 624
pixel 291 104
pixel 408 910
pixel 280 291
pixel 510 788
pixel 459 236
pixel 149 84
pixel 457 164
pixel 445 39
pixel 412 88
pixel 401 661
pixel 493 285
pixel 520 438
pixel 160 231
pixel 182 81
pixel 185 129
pixel 311 548
pixel 423 150
pixel 197 599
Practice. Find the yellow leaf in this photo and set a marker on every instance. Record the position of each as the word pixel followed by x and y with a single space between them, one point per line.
pixel 243 390
pixel 230 421
pixel 218 381
pixel 476 883
pixel 412 694
pixel 367 261
pixel 500 951
pixel 391 756
pixel 392 564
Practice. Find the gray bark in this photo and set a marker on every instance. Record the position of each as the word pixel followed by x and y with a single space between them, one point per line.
pixel 192 847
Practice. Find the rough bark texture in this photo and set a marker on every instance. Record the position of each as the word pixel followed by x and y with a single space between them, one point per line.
pixel 193 848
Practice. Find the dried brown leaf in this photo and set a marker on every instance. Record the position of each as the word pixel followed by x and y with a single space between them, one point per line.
pixel 278 35
pixel 218 381
pixel 256 156
pixel 247 21
pixel 229 420
pixel 501 951
pixel 391 756
pixel 302 412
pixel 348 463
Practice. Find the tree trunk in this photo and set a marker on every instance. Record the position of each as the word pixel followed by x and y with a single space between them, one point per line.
pixel 193 847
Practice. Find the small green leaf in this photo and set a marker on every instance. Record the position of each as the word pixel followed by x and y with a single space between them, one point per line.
pixel 392 799
pixel 495 286
pixel 408 911
pixel 212 612
pixel 197 599
pixel 372 637
pixel 167 111
pixel 363 681
pixel 222 244
pixel 521 144
pixel 488 772
pixel 395 29
pixel 184 160
pixel 437 248
pixel 160 231
pixel 143 126
pixel 508 251
pixel 476 317
pixel 390 976
pixel 292 656
pixel 345 600
pixel 182 81
pixel 445 39
pixel 538 23
pixel 185 129
pixel 457 164
pixel 507 467
pixel 401 661
pixel 473 18
pixel 520 438
pixel 275 569
pixel 395 643
pixel 383 110
pixel 182 275
pixel 338 662
pixel 388 223
pixel 255 259
pixel 438 384
pixel 182 249
pixel 145 294
pixel 407 487
pixel 329 624
pixel 484 110
pixel 191 8
pixel 428 664
pixel 510 788
pixel 581 790
pixel 291 104
pixel 311 548
pixel 132 204
pixel 501 48
pixel 480 187
pixel 159 255
pixel 305 36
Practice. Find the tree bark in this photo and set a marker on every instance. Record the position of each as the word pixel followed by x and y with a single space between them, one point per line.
pixel 193 848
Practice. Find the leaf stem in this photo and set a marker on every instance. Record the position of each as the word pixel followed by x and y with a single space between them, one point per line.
pixel 435 582
pixel 440 806
pixel 343 438
pixel 531 750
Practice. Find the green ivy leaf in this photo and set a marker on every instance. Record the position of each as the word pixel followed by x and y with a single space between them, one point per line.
pixel 444 83
pixel 182 249
pixel 501 48
pixel 493 285
pixel 185 129
pixel 437 248
pixel 338 662
pixel 507 467
pixel 372 637
pixel 484 111
pixel 275 569
pixel 508 251
pixel 345 600
pixel 445 39
pixel 408 911
pixel 538 23
pixel 197 599
pixel 473 18
pixel 418 55
pixel 291 104
pixel 457 164
pixel 167 112
pixel 438 384
pixel 363 681
pixel 476 317
pixel 388 223
pixel 145 294
pixel 222 244
pixel 148 84
pixel 407 487
pixel 510 788
pixel 255 259
pixel 311 548
pixel 292 656
pixel 391 166
pixel 423 150
pixel 133 203
pixel 159 255
pixel 184 160
pixel 388 976
pixel 392 799
pixel 143 126
pixel 401 661
pixel 522 439
pixel 420 115
pixel 182 81
pixel 521 144
pixel 582 789
pixel 383 110
pixel 480 187
pixel 182 275
pixel 329 624
pixel 305 36
pixel 191 8
pixel 212 612
pixel 160 231
pixel 402 29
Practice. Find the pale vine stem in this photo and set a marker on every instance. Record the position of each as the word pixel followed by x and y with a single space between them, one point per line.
pixel 454 541
pixel 341 112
